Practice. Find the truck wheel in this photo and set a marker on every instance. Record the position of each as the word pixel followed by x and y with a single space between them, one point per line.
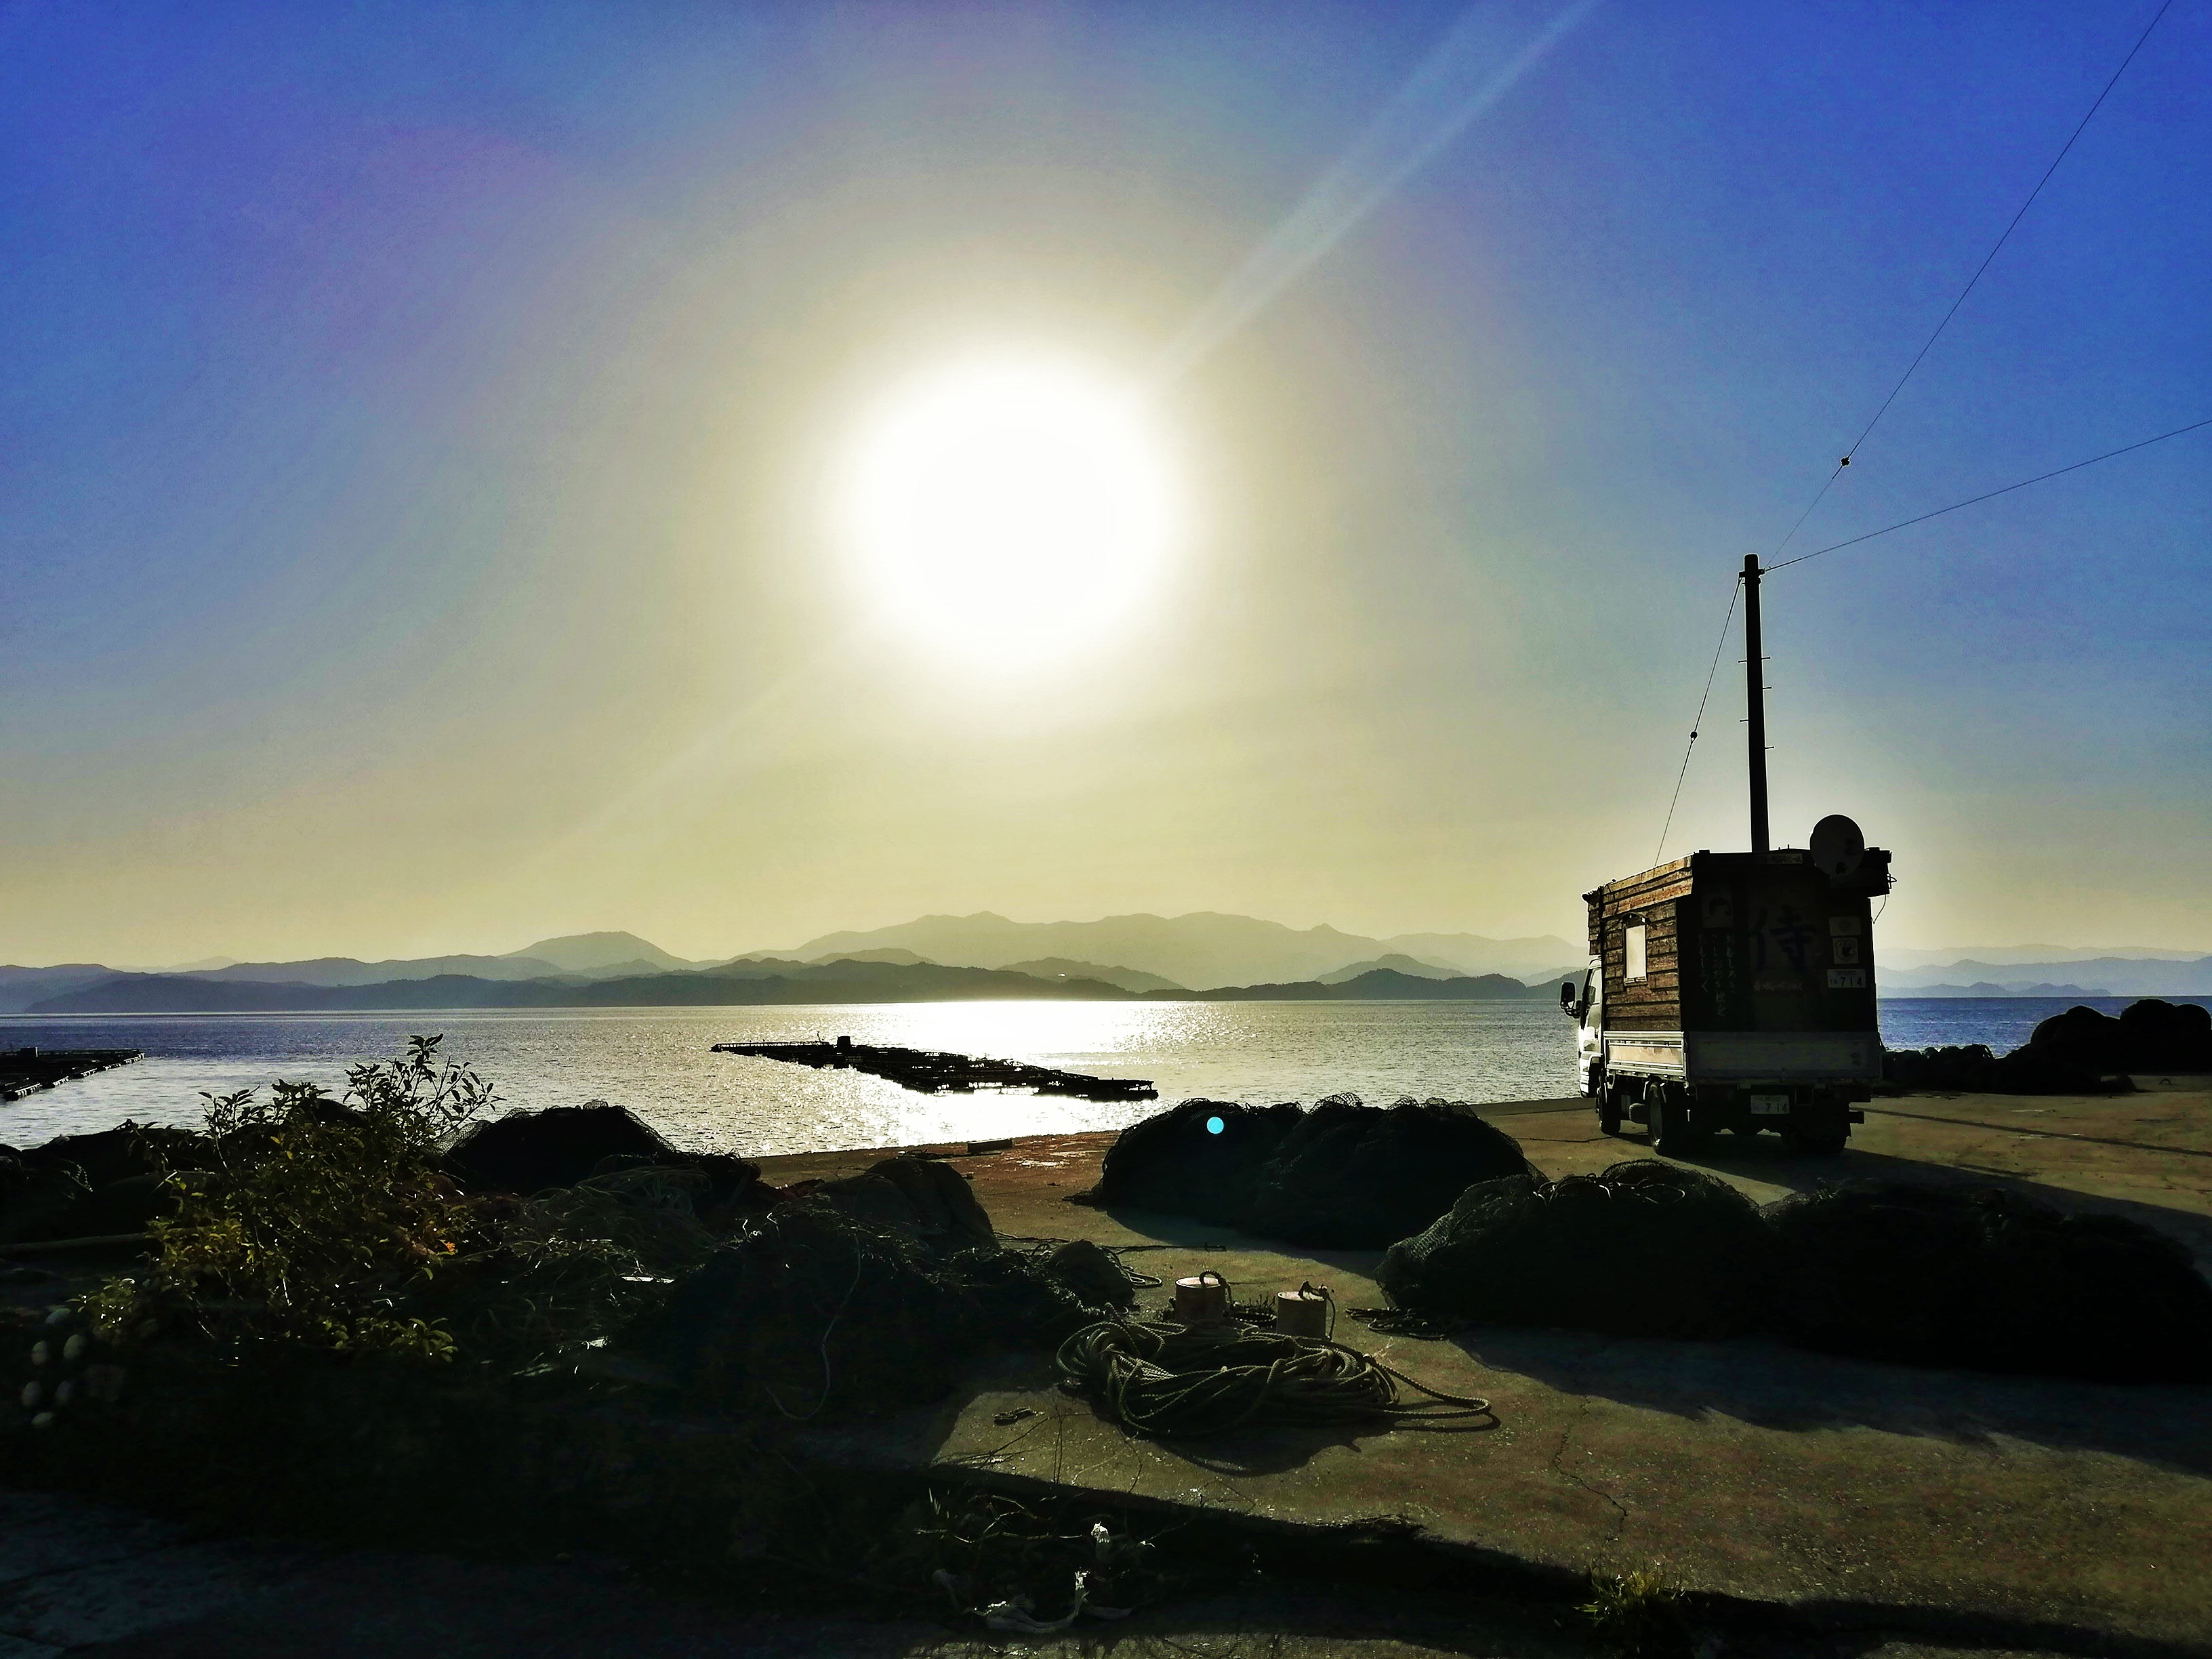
pixel 1608 1109
pixel 1671 1135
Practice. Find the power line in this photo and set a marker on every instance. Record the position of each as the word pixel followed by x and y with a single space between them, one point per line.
pixel 1988 494
pixel 1699 720
pixel 1995 247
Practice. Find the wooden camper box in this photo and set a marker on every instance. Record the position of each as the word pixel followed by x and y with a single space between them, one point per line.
pixel 1739 942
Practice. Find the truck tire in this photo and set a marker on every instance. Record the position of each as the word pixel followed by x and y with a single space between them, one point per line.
pixel 1608 1107
pixel 1671 1135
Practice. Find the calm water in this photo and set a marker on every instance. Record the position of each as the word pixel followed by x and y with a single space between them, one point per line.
pixel 656 1060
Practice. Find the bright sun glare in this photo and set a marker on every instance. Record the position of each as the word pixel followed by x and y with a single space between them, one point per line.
pixel 1007 507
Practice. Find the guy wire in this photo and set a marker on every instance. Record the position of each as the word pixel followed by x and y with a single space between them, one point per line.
pixel 2143 443
pixel 1699 720
pixel 2014 224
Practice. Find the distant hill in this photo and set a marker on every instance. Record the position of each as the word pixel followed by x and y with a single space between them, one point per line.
pixel 598 954
pixel 1472 953
pixel 2013 956
pixel 21 987
pixel 1129 979
pixel 578 956
pixel 1396 962
pixel 1377 985
pixel 2124 976
pixel 1200 950
pixel 352 970
pixel 1986 989
pixel 735 985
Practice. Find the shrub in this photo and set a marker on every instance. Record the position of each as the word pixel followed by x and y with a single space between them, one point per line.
pixel 312 1217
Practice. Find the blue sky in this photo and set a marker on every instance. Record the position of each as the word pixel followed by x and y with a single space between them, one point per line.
pixel 418 418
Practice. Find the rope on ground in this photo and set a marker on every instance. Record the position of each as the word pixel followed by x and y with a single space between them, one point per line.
pixel 1156 1378
pixel 1042 1247
pixel 1409 1322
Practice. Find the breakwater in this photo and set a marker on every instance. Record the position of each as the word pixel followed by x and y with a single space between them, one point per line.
pixel 931 1071
pixel 25 1070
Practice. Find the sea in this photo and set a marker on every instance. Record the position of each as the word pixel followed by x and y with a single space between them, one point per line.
pixel 659 1062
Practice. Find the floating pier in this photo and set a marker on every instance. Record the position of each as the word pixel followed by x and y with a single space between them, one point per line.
pixel 25 1070
pixel 930 1072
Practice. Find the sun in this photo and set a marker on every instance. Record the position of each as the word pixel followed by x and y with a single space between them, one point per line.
pixel 1008 507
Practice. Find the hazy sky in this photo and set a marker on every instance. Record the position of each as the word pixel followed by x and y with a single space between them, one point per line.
pixel 429 437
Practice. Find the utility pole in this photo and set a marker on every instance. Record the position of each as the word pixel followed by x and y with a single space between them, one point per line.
pixel 1754 691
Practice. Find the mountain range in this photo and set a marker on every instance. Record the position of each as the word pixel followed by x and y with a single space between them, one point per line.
pixel 1204 954
pixel 1202 951
pixel 2110 975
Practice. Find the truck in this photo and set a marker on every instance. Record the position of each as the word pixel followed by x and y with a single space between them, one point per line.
pixel 1737 990
pixel 1733 991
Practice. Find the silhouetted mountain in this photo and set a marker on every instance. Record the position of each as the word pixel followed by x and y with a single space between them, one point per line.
pixel 351 970
pixel 1202 949
pixel 1129 979
pixel 735 985
pixel 2124 977
pixel 21 988
pixel 1396 963
pixel 2013 956
pixel 1472 953
pixel 904 959
pixel 601 954
pixel 1986 989
pixel 1377 985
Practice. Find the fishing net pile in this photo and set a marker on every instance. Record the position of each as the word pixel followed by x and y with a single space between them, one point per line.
pixel 2082 1051
pixel 815 1310
pixel 1971 1277
pixel 1645 1249
pixel 1983 1279
pixel 1343 1176
pixel 823 1298
pixel 77 1185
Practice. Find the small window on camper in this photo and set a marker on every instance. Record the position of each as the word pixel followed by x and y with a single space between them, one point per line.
pixel 1632 941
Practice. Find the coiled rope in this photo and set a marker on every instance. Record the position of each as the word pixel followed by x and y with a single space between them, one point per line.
pixel 1167 1380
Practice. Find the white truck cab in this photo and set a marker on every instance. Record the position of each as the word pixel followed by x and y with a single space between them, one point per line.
pixel 1586 1002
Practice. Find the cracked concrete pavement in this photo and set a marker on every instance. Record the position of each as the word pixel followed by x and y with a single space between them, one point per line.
pixel 1746 1468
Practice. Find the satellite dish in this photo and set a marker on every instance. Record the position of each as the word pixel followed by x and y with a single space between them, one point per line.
pixel 1837 846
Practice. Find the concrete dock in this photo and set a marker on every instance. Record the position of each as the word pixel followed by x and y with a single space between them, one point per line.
pixel 1841 1507
pixel 2038 1513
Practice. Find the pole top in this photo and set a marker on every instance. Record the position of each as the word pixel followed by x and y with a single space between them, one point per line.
pixel 1750 564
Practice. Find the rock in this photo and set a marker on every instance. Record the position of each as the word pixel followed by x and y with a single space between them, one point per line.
pixel 527 1152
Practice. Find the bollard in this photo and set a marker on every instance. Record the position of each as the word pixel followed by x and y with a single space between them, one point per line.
pixel 1305 1311
pixel 1203 1300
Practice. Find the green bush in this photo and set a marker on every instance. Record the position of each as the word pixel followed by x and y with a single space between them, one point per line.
pixel 309 1219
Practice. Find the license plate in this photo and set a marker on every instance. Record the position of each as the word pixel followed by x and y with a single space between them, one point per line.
pixel 1770 1105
